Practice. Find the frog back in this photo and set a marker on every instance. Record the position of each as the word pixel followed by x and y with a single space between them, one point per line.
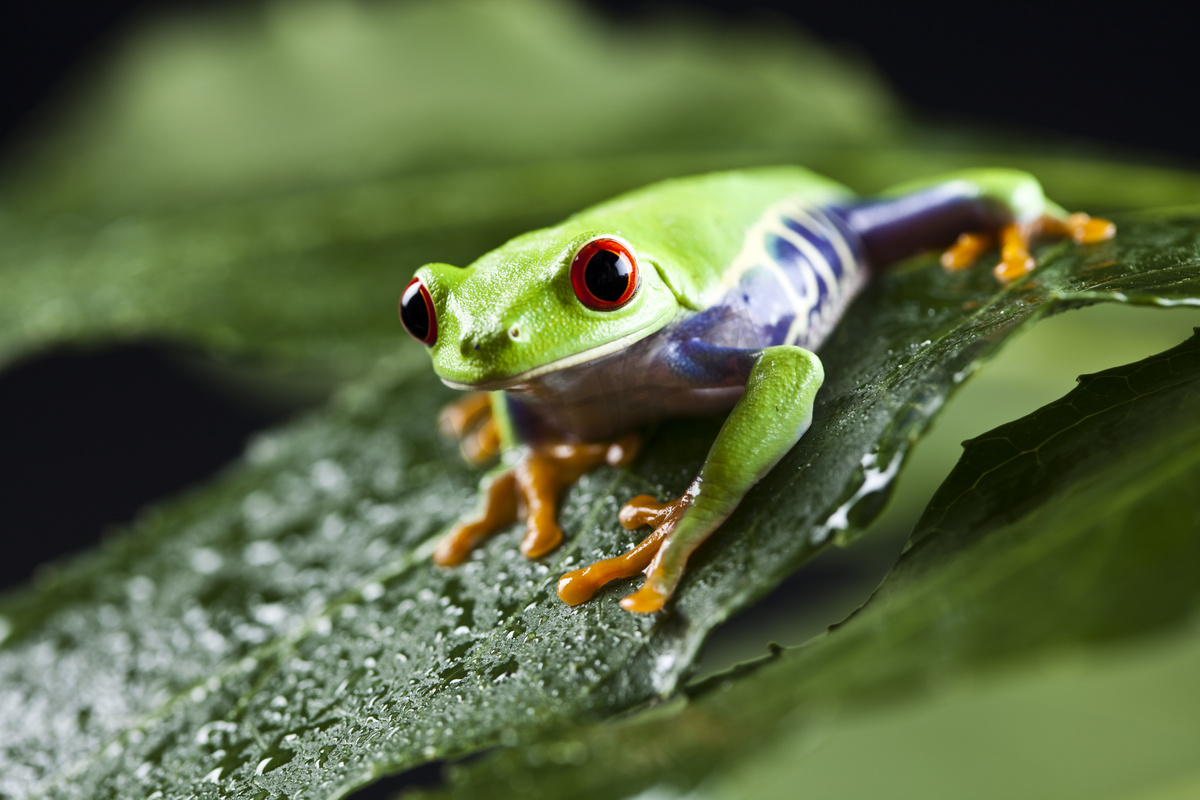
pixel 692 230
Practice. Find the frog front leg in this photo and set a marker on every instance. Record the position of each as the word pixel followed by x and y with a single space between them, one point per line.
pixel 772 414
pixel 530 485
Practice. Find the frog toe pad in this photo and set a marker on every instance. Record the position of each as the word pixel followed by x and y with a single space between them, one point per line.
pixel 580 585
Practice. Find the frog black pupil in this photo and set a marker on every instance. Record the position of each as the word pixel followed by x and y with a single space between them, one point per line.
pixel 414 313
pixel 607 275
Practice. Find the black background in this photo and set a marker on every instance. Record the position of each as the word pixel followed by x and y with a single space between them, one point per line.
pixel 86 438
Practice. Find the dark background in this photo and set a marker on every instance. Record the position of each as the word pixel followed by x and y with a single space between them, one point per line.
pixel 122 427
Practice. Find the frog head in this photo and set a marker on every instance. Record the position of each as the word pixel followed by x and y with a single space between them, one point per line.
pixel 547 300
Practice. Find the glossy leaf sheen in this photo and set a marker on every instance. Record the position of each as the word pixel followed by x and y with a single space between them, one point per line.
pixel 281 631
pixel 1072 529
pixel 288 612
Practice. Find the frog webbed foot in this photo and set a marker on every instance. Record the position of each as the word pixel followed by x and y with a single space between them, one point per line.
pixel 532 486
pixel 471 422
pixel 579 585
pixel 1014 239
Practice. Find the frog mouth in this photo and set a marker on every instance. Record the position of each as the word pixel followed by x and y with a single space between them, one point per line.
pixel 566 362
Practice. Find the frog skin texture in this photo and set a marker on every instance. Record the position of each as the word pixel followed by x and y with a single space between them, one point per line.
pixel 691 297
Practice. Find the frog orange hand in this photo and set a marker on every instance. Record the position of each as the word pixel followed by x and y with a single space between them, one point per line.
pixel 534 484
pixel 471 421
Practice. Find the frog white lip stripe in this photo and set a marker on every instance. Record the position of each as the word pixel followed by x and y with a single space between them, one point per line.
pixel 499 384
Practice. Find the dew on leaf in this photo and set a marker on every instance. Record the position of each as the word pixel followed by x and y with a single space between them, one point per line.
pixel 261 553
pixel 205 560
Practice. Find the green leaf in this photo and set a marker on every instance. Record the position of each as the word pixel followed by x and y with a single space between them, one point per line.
pixel 284 628
pixel 1070 533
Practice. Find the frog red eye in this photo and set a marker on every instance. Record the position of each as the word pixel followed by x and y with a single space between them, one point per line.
pixel 604 274
pixel 417 314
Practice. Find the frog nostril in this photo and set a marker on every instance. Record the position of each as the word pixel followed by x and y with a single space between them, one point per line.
pixel 471 344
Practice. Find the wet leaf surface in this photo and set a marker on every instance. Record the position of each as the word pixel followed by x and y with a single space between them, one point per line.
pixel 285 629
pixel 281 631
pixel 1031 633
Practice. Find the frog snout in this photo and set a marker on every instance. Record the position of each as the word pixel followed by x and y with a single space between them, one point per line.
pixel 472 344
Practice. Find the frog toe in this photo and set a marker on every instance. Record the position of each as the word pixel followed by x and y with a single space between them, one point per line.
pixel 1014 238
pixel 645 600
pixel 644 510
pixel 472 423
pixel 540 539
pixel 499 509
pixel 580 585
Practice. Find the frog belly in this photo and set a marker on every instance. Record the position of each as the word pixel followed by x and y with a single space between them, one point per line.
pixel 595 402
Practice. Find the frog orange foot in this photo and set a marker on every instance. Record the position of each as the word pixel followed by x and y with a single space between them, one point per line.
pixel 533 485
pixel 1015 259
pixel 470 421
pixel 579 585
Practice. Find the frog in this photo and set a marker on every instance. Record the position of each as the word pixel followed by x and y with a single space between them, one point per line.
pixel 694 296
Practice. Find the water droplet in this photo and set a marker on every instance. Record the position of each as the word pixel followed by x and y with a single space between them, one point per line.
pixel 329 477
pixel 139 588
pixel 260 554
pixel 206 561
pixel 332 527
pixel 270 613
pixel 372 591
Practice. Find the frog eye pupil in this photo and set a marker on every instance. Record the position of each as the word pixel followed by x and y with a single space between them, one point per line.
pixel 604 274
pixel 607 275
pixel 417 314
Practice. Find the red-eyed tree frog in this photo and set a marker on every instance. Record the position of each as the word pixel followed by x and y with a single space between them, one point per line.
pixel 694 296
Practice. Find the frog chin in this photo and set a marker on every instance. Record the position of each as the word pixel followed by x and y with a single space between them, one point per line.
pixel 572 360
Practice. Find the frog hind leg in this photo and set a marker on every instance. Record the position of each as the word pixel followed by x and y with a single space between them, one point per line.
pixel 1015 259
pixel 531 485
pixel 771 416
pixel 977 207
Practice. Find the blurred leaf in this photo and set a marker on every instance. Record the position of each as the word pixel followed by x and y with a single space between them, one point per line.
pixel 1071 527
pixel 263 182
pixel 289 612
